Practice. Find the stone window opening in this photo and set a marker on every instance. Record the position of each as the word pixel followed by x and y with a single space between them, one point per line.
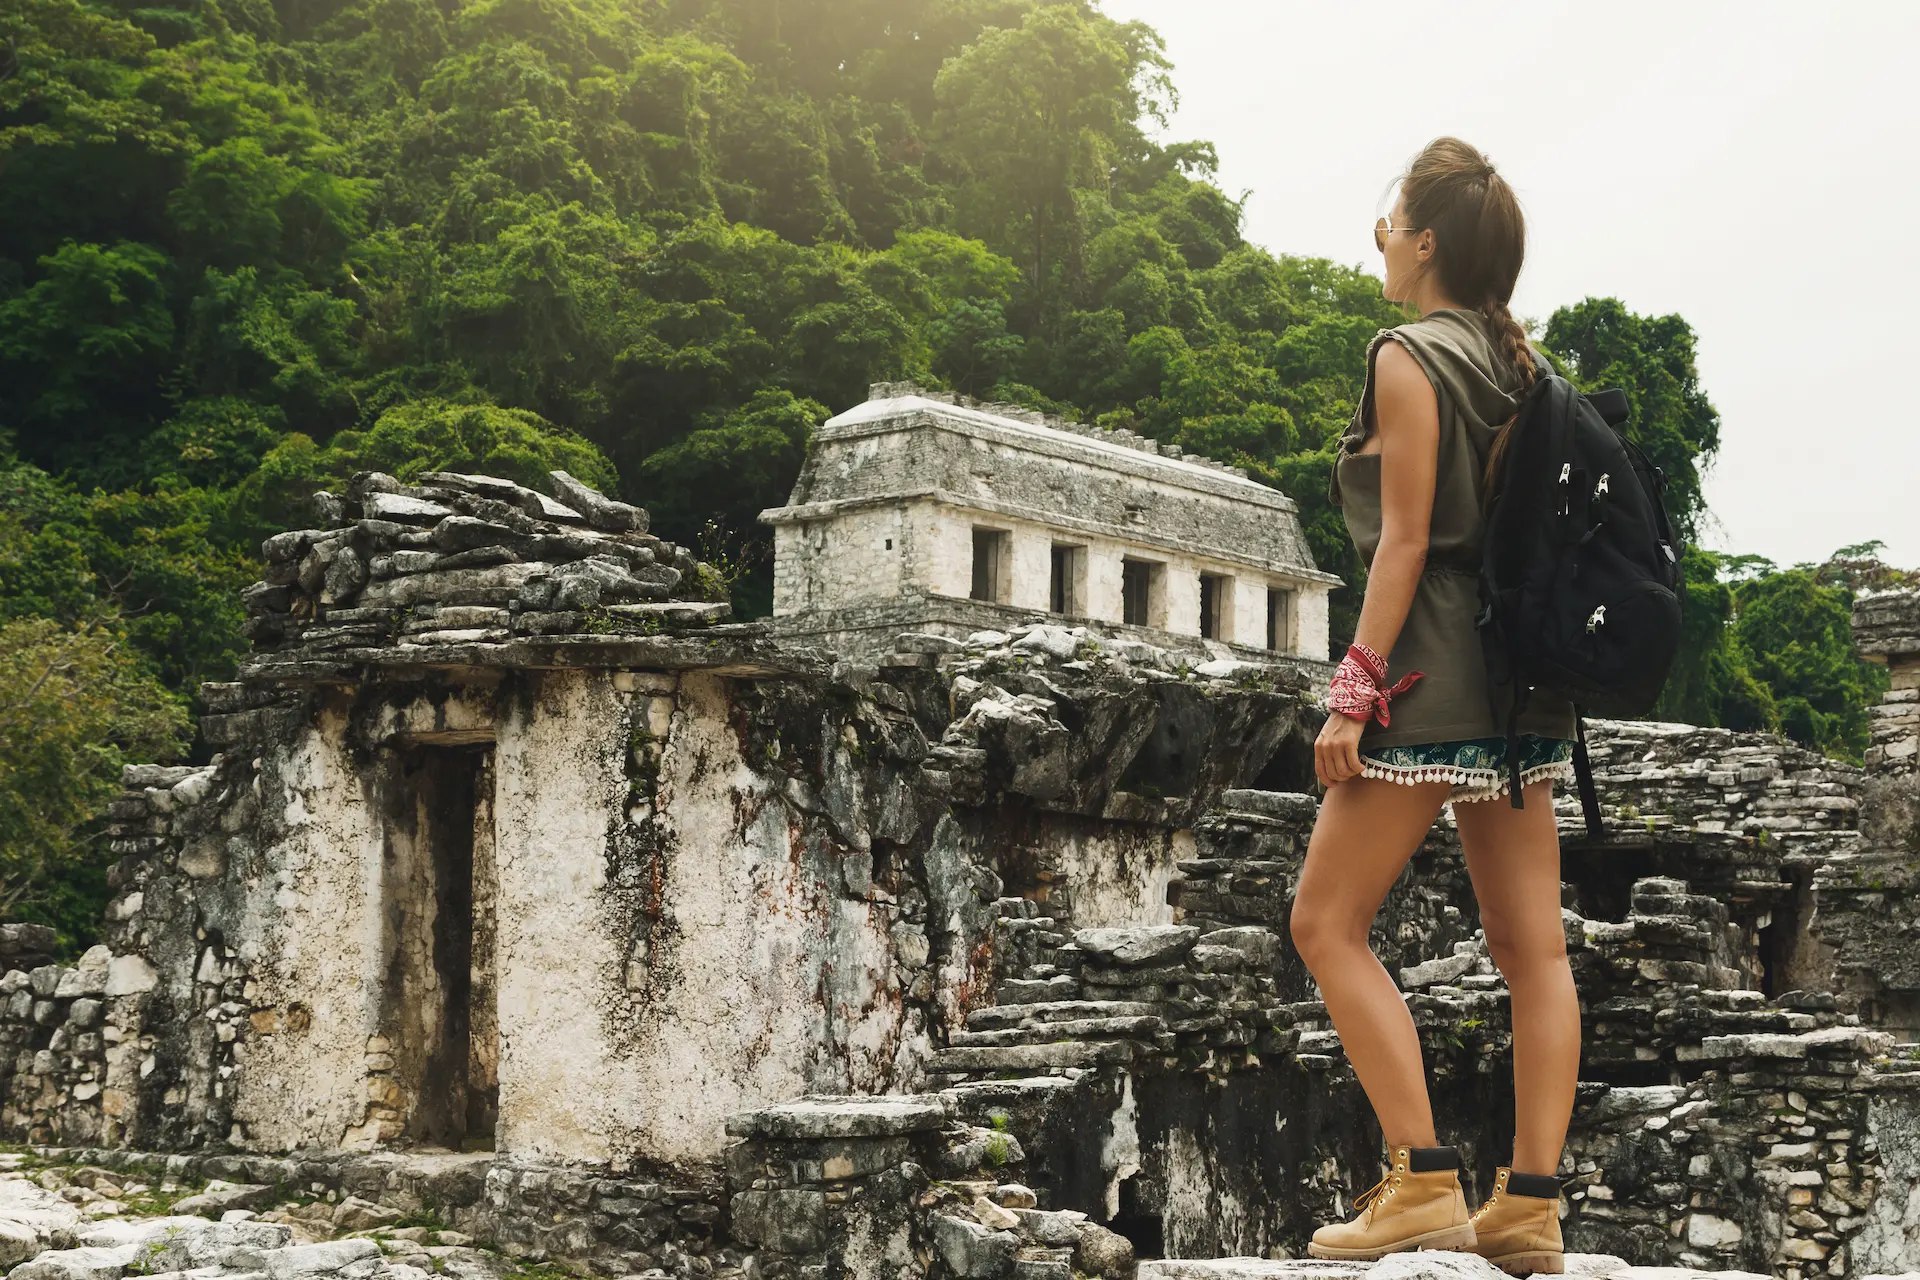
pixel 1067 589
pixel 1280 619
pixel 992 549
pixel 1142 592
pixel 1216 606
pixel 439 1006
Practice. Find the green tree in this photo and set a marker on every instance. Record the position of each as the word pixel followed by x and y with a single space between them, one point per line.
pixel 77 703
pixel 1032 114
pixel 1712 680
pixel 1651 358
pixel 432 435
pixel 711 487
pixel 149 560
pixel 1798 639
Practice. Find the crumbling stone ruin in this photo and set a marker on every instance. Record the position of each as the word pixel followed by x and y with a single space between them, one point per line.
pixel 532 909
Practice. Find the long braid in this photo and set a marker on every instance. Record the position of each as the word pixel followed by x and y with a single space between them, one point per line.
pixel 1512 338
pixel 1515 347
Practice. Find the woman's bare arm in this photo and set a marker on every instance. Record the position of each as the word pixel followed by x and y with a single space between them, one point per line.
pixel 1407 420
pixel 1407 416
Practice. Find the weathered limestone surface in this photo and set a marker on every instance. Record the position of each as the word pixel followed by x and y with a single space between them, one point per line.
pixel 969 958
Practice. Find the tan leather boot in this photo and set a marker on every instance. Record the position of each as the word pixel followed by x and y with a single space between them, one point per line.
pixel 1518 1228
pixel 1418 1205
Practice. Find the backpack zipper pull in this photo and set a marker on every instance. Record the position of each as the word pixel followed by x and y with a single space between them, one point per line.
pixel 1602 486
pixel 1598 616
pixel 1566 471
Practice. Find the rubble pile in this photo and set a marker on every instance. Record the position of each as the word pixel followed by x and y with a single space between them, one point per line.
pixel 463 559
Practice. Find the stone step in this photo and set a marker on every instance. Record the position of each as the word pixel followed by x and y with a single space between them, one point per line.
pixel 977 1100
pixel 1032 1057
pixel 1206 868
pixel 1144 1028
pixel 1037 990
pixel 842 1116
pixel 997 1017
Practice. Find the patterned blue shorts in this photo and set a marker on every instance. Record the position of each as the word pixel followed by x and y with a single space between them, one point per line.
pixel 1477 767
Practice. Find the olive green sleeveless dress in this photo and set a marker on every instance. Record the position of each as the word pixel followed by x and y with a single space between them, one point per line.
pixel 1449 726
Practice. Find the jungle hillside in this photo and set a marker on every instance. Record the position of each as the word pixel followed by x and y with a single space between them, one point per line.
pixel 249 247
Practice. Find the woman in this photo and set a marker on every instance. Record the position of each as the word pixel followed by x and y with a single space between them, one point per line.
pixel 1414 726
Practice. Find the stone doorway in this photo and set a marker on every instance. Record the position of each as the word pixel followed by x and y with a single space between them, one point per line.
pixel 440 1010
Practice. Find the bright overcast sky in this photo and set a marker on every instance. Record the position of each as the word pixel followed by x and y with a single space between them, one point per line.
pixel 1750 166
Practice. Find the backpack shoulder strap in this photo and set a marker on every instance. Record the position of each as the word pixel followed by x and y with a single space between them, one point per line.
pixel 1583 778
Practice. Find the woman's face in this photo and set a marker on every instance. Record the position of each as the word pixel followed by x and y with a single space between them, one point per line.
pixel 1407 252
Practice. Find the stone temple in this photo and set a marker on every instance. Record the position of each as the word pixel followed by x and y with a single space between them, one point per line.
pixel 529 907
pixel 930 513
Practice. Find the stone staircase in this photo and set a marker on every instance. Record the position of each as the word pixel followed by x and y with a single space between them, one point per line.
pixel 1222 982
pixel 1115 996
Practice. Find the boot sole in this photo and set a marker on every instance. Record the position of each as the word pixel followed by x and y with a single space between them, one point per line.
pixel 1527 1264
pixel 1456 1238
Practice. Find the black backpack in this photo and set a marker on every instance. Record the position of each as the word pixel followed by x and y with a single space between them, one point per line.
pixel 1579 570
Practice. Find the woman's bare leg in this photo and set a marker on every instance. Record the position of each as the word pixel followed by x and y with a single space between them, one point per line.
pixel 1513 856
pixel 1366 832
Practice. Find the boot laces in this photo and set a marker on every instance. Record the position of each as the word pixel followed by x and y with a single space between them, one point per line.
pixel 1372 1198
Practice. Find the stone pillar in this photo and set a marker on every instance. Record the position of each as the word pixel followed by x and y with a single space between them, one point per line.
pixel 1181 591
pixel 950 553
pixel 1310 633
pixel 1103 582
pixel 1248 618
pixel 1032 565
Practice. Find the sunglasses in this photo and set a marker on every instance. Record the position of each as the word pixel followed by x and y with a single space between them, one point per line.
pixel 1382 229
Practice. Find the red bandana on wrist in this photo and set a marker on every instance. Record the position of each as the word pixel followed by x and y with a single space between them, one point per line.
pixel 1356 690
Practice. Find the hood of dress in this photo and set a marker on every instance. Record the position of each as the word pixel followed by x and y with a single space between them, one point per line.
pixel 1446 344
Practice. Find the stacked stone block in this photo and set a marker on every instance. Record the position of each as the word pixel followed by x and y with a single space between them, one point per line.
pixel 71 1045
pixel 462 560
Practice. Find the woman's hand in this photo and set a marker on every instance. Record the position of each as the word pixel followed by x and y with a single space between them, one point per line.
pixel 1336 752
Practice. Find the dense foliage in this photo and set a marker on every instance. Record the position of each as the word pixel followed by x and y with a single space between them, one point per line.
pixel 249 246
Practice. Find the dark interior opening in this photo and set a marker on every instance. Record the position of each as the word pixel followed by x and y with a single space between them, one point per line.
pixel 989 569
pixel 1622 1073
pixel 1290 767
pixel 1168 762
pixel 1136 586
pixel 440 924
pixel 1777 938
pixel 1279 619
pixel 1602 879
pixel 1061 593
pixel 1138 1222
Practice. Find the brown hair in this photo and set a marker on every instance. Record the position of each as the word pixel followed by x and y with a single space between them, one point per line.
pixel 1480 240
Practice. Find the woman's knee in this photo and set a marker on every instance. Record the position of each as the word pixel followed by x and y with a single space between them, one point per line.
pixel 1317 932
pixel 1522 950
